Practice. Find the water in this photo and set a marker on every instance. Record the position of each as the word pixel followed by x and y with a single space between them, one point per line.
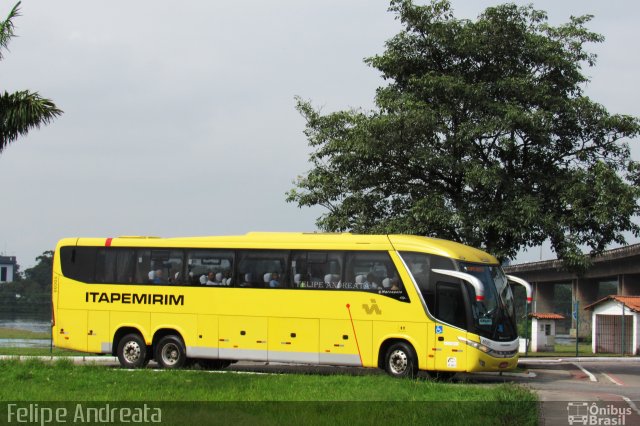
pixel 25 343
pixel 29 323
pixel 38 326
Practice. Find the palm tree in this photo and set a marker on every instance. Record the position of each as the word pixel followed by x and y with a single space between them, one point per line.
pixel 22 110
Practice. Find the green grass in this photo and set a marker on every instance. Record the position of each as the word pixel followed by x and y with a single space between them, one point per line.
pixel 41 352
pixel 13 333
pixel 353 399
pixel 568 350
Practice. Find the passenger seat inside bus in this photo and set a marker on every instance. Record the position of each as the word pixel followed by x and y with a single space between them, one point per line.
pixel 332 281
pixel 248 280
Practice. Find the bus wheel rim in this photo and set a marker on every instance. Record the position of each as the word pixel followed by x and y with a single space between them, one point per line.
pixel 170 354
pixel 398 361
pixel 131 351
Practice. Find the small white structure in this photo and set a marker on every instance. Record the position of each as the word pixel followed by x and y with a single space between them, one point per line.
pixel 543 331
pixel 7 268
pixel 610 327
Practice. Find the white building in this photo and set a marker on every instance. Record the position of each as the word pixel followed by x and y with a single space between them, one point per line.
pixel 7 268
pixel 543 331
pixel 610 317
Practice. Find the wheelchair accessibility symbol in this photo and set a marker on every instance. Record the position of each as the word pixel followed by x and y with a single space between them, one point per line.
pixel 438 329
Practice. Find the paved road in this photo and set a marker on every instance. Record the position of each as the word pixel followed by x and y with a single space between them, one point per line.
pixel 594 391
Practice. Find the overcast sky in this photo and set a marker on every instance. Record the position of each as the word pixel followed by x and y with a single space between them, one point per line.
pixel 179 117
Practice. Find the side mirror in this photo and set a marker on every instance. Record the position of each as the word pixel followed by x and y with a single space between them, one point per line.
pixel 523 283
pixel 475 282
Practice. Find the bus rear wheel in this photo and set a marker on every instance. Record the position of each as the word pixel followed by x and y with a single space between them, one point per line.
pixel 400 361
pixel 132 351
pixel 170 352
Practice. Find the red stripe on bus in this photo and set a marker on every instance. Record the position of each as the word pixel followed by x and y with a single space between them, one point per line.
pixel 354 333
pixel 108 242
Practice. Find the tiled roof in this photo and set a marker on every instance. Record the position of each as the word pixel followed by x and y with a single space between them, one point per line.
pixel 541 315
pixel 631 302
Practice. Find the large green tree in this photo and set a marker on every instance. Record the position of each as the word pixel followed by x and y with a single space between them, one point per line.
pixel 482 134
pixel 41 272
pixel 23 110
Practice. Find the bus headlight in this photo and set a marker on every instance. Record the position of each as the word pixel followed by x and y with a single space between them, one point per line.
pixel 487 350
pixel 478 346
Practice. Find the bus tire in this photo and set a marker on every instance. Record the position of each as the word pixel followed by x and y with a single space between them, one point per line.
pixel 132 351
pixel 214 364
pixel 400 361
pixel 170 352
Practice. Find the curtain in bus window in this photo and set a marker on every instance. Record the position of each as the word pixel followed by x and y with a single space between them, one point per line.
pixel 143 267
pixel 125 262
pixel 106 261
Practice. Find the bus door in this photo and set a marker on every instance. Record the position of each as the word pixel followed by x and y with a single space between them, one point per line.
pixel 451 322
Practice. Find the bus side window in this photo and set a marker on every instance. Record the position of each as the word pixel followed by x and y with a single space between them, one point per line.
pixel 420 266
pixel 449 306
pixel 374 271
pixel 167 267
pixel 263 268
pixel 78 263
pixel 210 267
pixel 106 266
pixel 125 263
pixel 317 269
pixel 143 266
pixel 299 270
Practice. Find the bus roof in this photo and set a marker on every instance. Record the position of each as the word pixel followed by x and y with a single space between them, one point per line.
pixel 300 241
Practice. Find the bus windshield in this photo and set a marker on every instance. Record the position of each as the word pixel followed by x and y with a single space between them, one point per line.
pixel 449 300
pixel 493 317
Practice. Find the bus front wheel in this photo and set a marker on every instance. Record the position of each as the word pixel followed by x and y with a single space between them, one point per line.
pixel 400 361
pixel 170 352
pixel 132 351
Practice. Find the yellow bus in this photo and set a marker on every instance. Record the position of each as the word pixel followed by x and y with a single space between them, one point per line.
pixel 397 302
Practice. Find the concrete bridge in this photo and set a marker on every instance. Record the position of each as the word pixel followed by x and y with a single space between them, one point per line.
pixel 555 290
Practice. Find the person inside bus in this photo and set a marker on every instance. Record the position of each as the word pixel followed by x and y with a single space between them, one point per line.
pixel 274 282
pixel 158 277
pixel 395 283
pixel 370 282
pixel 211 279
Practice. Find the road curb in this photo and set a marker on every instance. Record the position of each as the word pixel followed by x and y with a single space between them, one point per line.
pixel 576 359
pixel 51 358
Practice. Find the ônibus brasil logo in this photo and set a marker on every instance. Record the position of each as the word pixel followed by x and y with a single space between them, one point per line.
pixel 586 413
